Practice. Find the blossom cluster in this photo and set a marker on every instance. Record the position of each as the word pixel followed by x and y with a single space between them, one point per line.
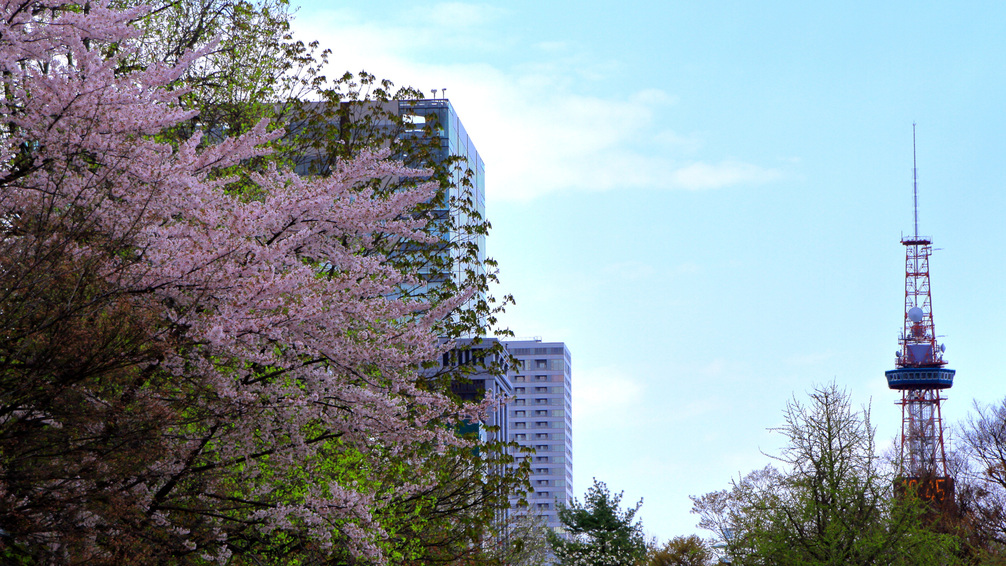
pixel 274 314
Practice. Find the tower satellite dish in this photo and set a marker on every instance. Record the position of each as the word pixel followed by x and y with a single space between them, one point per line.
pixel 915 314
pixel 943 347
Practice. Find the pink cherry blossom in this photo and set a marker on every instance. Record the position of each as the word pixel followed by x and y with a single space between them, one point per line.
pixel 288 320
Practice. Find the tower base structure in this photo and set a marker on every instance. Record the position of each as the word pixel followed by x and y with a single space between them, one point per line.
pixel 938 491
pixel 923 452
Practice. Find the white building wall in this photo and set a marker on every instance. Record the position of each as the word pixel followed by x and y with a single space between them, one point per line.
pixel 540 418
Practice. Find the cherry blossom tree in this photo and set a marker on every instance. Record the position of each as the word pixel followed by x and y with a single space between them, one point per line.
pixel 187 357
pixel 256 69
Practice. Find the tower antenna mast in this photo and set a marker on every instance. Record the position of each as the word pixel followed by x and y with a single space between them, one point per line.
pixel 915 184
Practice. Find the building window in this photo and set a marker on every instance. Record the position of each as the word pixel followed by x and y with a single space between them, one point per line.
pixel 519 413
pixel 541 424
pixel 541 459
pixel 541 413
pixel 520 379
pixel 541 389
pixel 543 506
pixel 541 470
pixel 541 364
pixel 541 401
pixel 518 402
pixel 521 436
pixel 519 389
pixel 541 447
pixel 520 425
pixel 541 378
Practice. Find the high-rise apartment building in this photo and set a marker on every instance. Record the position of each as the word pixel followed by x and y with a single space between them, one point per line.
pixel 540 414
pixel 540 418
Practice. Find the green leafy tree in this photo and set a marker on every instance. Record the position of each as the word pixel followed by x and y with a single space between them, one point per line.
pixel 832 503
pixel 981 481
pixel 598 531
pixel 681 551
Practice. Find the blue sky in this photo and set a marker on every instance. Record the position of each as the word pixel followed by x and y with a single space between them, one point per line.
pixel 704 200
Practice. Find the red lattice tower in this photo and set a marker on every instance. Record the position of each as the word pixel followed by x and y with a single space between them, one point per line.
pixel 921 375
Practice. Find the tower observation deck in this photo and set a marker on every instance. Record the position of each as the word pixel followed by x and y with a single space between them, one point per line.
pixel 920 375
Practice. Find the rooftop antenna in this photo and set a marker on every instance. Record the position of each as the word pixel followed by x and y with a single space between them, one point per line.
pixel 443 92
pixel 435 96
pixel 915 184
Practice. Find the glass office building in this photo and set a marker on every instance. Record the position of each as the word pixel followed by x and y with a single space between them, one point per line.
pixel 467 174
pixel 434 120
pixel 539 413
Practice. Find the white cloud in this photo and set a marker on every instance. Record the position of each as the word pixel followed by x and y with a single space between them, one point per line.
pixel 810 359
pixel 706 176
pixel 687 268
pixel 694 411
pixel 715 368
pixel 631 270
pixel 553 46
pixel 605 396
pixel 453 15
pixel 534 128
